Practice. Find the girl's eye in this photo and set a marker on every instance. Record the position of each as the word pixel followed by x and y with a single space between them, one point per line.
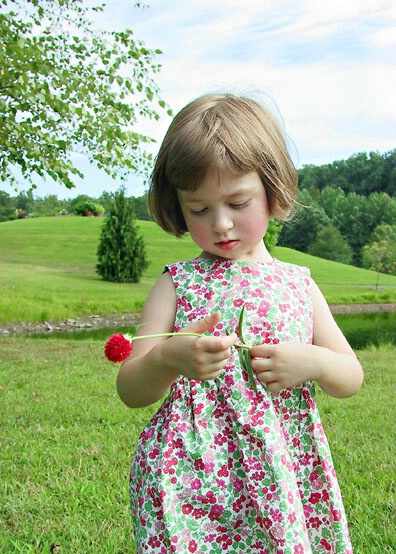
pixel 240 205
pixel 198 212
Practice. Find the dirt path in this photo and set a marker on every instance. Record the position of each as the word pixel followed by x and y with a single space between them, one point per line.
pixel 92 322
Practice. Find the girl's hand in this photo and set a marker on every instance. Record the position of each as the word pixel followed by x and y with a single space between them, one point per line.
pixel 201 358
pixel 280 366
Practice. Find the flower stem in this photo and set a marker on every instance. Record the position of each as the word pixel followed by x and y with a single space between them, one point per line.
pixel 164 335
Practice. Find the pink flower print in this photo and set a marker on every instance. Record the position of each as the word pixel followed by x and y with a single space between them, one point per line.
pixel 199 464
pixel 196 483
pixel 298 549
pixel 237 483
pixel 238 302
pixel 276 515
pixel 325 495
pixel 216 512
pixel 326 544
pixel 263 308
pixel 280 326
pixel 219 439
pixel 192 546
pixel 296 442
pixel 153 454
pixel 187 478
pixel 278 531
pixel 223 471
pixel 187 509
pixel 336 515
pixel 314 498
pixel 198 513
pixel 314 522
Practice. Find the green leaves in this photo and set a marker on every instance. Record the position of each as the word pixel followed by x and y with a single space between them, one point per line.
pixel 63 88
pixel 243 352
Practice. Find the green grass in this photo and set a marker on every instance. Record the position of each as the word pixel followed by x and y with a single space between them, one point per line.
pixel 67 442
pixel 47 271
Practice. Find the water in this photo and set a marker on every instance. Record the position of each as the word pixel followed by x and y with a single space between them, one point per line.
pixel 364 329
pixel 360 330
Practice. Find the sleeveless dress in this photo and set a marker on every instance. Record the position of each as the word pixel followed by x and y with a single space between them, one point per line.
pixel 220 467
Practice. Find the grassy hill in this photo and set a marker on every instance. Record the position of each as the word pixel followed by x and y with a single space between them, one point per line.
pixel 47 271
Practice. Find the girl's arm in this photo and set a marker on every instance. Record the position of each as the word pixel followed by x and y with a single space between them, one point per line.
pixel 330 360
pixel 155 363
pixel 339 372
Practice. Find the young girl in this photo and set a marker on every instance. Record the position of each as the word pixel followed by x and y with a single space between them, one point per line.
pixel 227 465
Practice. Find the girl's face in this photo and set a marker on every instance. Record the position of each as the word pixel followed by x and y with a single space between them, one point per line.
pixel 227 216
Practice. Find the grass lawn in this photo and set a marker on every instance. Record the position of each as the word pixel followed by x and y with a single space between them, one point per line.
pixel 47 271
pixel 67 441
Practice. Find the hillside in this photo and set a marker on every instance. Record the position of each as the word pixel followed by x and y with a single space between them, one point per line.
pixel 47 271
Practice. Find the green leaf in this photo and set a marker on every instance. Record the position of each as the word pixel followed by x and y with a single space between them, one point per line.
pixel 245 361
pixel 249 369
pixel 240 325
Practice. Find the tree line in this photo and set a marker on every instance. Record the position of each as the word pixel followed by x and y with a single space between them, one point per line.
pixel 347 212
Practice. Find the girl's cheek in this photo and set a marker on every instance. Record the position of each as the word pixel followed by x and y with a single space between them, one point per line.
pixel 197 230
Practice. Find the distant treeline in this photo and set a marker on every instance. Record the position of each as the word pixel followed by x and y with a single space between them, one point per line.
pixel 361 173
pixel 341 205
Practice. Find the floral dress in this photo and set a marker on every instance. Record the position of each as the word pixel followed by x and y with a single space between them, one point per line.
pixel 220 467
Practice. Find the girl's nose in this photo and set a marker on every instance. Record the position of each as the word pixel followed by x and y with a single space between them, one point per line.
pixel 221 222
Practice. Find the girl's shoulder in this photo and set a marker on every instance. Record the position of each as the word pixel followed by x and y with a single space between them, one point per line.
pixel 291 268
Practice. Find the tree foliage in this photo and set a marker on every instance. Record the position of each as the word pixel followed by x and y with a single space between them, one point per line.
pixel 272 235
pixel 362 174
pixel 355 217
pixel 66 87
pixel 302 230
pixel 331 245
pixel 380 254
pixel 121 251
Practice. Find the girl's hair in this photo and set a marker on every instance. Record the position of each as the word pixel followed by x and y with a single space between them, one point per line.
pixel 218 132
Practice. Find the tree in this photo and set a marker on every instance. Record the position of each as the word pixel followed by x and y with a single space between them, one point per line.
pixel 66 87
pixel 331 245
pixel 380 254
pixel 121 251
pixel 7 207
pixel 272 234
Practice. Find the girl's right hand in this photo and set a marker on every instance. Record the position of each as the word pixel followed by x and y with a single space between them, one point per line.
pixel 200 358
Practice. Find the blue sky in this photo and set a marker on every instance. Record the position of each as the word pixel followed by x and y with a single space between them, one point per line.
pixel 328 68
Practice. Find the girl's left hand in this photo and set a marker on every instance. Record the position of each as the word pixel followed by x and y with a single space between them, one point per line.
pixel 280 366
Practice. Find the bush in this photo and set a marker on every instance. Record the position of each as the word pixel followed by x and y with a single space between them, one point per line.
pixel 85 208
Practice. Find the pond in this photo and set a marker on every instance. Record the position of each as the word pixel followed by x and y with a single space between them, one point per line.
pixel 364 329
pixel 360 330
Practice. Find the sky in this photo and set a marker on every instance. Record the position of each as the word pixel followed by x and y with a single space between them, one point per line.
pixel 328 69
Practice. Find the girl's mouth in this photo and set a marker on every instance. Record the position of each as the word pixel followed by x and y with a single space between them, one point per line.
pixel 226 244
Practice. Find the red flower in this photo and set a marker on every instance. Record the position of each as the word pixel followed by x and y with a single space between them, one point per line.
pixel 117 348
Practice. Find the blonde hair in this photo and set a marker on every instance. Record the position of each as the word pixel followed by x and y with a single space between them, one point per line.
pixel 218 132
